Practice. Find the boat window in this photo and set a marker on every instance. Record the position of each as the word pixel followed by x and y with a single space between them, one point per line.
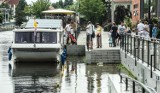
pixel 24 37
pixel 39 37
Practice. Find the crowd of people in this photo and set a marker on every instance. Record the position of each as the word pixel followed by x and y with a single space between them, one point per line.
pixel 144 30
pixel 116 33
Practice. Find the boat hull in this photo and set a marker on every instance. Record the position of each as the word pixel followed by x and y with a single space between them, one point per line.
pixel 36 55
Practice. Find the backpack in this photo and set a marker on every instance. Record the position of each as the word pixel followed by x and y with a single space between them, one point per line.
pixel 93 33
pixel 121 30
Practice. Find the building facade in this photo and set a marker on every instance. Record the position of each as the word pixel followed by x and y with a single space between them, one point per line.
pixel 140 9
pixel 8 12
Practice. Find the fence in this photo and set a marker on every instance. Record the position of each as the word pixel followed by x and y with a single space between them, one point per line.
pixel 142 48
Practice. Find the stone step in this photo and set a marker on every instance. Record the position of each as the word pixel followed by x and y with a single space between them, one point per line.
pixel 103 56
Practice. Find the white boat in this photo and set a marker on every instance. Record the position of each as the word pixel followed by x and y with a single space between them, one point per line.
pixel 41 45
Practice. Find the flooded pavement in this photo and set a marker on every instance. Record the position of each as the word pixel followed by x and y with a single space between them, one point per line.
pixel 76 77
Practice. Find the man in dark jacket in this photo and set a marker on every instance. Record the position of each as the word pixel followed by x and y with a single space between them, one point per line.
pixel 114 33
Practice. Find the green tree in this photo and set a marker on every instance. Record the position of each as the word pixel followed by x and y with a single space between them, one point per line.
pixel 4 5
pixel 120 13
pixel 20 14
pixel 68 2
pixel 28 10
pixel 128 22
pixel 1 17
pixel 39 6
pixel 93 10
pixel 73 7
pixel 58 4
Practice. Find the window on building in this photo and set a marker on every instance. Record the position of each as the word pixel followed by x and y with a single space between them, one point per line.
pixel 135 6
pixel 128 7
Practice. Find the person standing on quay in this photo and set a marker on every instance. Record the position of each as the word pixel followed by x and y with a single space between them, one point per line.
pixel 114 34
pixel 67 31
pixel 99 36
pixel 140 28
pixel 89 31
pixel 121 31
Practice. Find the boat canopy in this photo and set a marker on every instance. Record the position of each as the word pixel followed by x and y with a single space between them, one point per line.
pixel 45 23
pixel 58 11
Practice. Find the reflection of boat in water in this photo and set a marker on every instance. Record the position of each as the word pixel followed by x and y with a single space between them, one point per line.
pixel 47 69
pixel 44 44
pixel 35 78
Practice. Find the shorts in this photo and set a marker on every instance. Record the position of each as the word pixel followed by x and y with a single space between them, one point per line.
pixel 89 37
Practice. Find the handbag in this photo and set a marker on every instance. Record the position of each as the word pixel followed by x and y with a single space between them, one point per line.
pixel 93 34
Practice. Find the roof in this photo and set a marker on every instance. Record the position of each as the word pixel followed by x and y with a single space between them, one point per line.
pixel 45 23
pixel 13 2
pixel 58 11
pixel 121 1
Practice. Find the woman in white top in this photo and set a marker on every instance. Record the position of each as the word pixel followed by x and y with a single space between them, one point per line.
pixel 146 30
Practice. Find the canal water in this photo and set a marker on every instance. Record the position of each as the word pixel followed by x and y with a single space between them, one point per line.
pixel 76 77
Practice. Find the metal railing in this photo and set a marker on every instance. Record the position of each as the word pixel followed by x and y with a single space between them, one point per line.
pixel 141 48
pixel 136 86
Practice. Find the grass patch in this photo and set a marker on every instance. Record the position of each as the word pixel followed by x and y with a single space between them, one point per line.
pixel 124 70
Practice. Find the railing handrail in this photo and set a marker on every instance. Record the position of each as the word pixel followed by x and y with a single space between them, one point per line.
pixel 148 89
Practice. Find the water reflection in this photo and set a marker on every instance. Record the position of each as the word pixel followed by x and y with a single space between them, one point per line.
pixel 35 77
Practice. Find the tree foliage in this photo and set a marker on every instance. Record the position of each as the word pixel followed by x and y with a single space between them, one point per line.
pixel 1 17
pixel 28 10
pixel 39 6
pixel 93 10
pixel 20 14
pixel 4 5
pixel 58 4
pixel 68 2
pixel 73 7
pixel 128 22
pixel 120 13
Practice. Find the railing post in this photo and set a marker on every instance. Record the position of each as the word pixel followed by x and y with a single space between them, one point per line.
pixel 148 52
pixel 133 87
pixel 151 67
pixel 131 45
pixel 143 90
pixel 120 78
pixel 142 50
pixel 138 47
pixel 155 55
pixel 135 56
pixel 126 84
pixel 134 47
pixel 125 45
pixel 128 43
